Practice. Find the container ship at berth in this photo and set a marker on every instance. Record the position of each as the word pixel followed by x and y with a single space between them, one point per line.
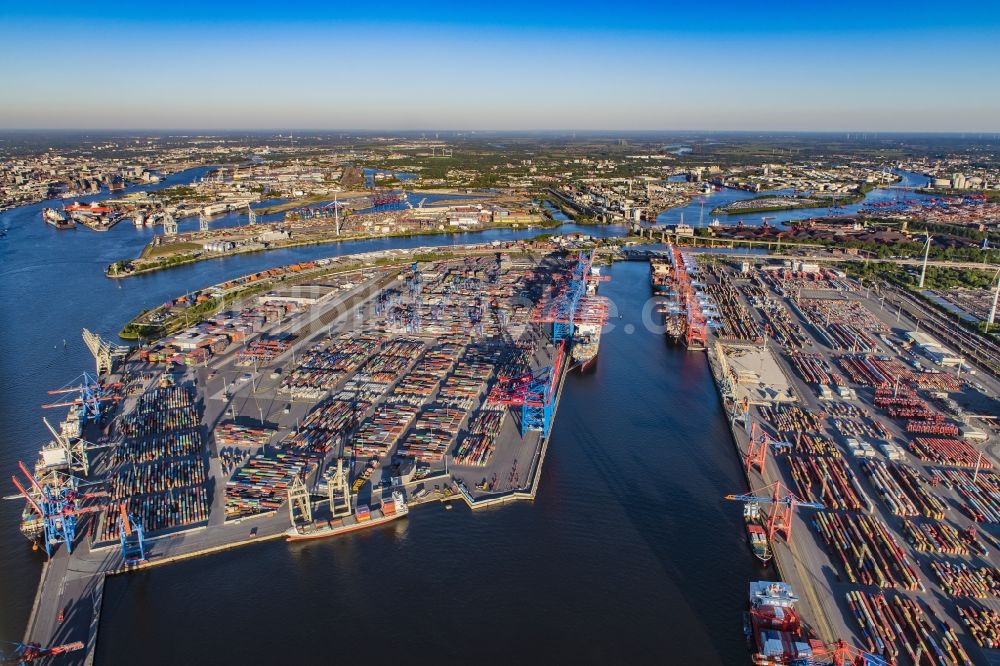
pixel 362 518
pixel 660 272
pixel 587 332
pixel 54 470
pixel 773 627
pixel 687 307
pixel 586 343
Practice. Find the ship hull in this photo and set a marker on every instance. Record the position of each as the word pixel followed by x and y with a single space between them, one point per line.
pixel 586 363
pixel 326 532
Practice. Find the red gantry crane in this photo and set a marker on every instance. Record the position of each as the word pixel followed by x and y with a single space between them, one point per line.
pixel 838 653
pixel 696 325
pixel 24 653
pixel 756 455
pixel 783 503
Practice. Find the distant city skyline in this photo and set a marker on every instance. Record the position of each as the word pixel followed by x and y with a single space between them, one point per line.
pixel 893 66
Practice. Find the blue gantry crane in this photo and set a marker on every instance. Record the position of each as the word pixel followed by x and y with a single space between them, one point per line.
pixel 131 536
pixel 539 400
pixel 563 308
pixel 55 500
pixel 25 653
pixel 90 394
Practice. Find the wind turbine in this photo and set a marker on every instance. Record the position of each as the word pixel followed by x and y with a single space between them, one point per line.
pixel 927 251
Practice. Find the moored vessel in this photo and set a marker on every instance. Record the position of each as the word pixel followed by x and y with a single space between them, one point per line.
pixel 362 518
pixel 590 317
pixel 57 218
pixel 773 627
pixel 759 543
pixel 586 344
pixel 660 272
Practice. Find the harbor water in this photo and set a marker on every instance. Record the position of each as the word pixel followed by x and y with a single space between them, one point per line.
pixel 629 552
pixel 628 555
pixel 698 213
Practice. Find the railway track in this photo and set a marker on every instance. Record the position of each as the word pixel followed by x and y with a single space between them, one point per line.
pixel 980 351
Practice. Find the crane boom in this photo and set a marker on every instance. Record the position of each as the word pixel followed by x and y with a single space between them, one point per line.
pixel 783 502
pixel 30 476
pixel 27 496
pixel 126 524
pixel 789 499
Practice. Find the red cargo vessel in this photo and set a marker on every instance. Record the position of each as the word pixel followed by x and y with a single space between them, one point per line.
pixel 774 628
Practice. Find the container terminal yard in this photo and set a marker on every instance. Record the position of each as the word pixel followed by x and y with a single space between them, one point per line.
pixel 330 404
pixel 870 441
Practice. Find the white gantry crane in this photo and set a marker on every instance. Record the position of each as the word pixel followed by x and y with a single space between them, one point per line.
pixel 105 353
pixel 169 225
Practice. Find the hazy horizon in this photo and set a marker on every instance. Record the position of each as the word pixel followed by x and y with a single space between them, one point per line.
pixel 894 67
pixel 424 132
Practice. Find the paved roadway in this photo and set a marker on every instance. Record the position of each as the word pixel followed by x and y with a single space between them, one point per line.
pixel 821 253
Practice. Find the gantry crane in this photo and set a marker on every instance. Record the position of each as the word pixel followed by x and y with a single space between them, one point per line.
pixel 57 506
pixel 540 398
pixel 570 304
pixel 756 455
pixel 783 503
pixel 696 325
pixel 838 653
pixel 74 448
pixel 131 536
pixel 106 354
pixel 534 393
pixel 90 396
pixel 24 653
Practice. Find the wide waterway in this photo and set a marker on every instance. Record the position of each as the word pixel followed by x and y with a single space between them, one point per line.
pixel 699 211
pixel 629 552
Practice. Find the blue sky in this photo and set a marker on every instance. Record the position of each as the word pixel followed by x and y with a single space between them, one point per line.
pixel 877 66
